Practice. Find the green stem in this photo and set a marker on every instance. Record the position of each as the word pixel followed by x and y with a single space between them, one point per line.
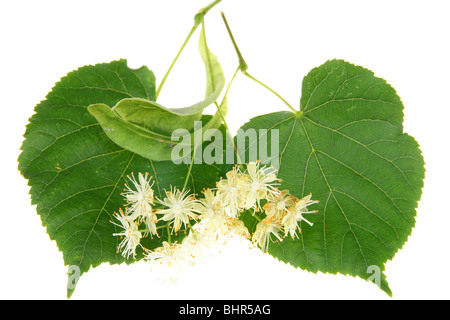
pixel 219 106
pixel 202 12
pixel 257 218
pixel 169 236
pixel 227 129
pixel 143 230
pixel 197 19
pixel 190 168
pixel 190 226
pixel 163 226
pixel 243 65
pixel 271 90
pixel 158 91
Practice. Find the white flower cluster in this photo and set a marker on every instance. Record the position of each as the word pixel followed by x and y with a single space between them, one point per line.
pixel 244 190
pixel 216 214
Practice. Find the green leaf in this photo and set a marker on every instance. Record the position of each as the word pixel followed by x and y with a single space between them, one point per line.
pixel 346 146
pixel 76 173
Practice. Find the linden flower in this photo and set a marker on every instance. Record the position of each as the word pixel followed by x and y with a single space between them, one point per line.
pixel 213 213
pixel 277 207
pixel 295 215
pixel 150 220
pixel 290 224
pixel 264 231
pixel 237 227
pixel 140 199
pixel 180 208
pixel 193 246
pixel 210 204
pixel 257 183
pixel 229 192
pixel 131 234
pixel 168 256
pixel 301 208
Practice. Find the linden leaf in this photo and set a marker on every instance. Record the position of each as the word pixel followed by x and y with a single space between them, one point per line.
pixel 347 147
pixel 77 175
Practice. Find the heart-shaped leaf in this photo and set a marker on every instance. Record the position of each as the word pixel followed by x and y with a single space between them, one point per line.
pixel 77 174
pixel 346 146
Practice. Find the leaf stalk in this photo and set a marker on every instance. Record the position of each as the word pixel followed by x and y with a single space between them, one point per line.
pixel 243 66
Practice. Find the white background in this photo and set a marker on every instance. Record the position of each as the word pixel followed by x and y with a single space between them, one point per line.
pixel 404 42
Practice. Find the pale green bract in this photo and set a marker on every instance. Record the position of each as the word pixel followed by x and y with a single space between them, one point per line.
pixel 145 127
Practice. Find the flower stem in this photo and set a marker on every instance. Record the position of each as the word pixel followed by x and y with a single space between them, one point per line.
pixel 190 168
pixel 158 91
pixel 169 236
pixel 191 227
pixel 257 218
pixel 219 106
pixel 227 129
pixel 197 19
pixel 202 12
pixel 163 226
pixel 144 230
